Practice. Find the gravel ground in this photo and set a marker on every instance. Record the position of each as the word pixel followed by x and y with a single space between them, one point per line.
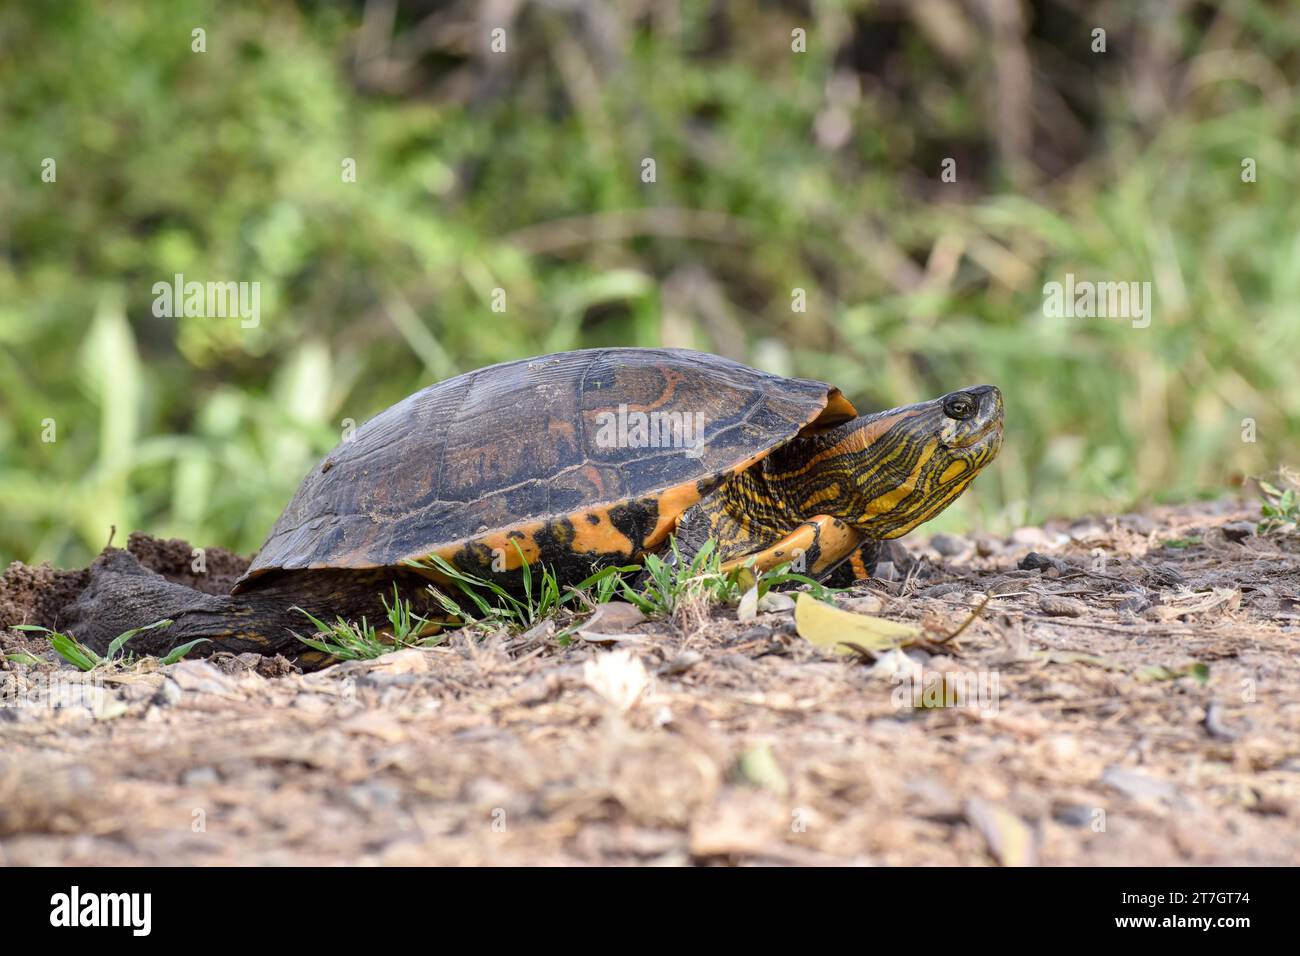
pixel 1126 696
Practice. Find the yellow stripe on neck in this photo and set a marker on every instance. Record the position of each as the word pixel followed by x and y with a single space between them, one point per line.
pixel 888 501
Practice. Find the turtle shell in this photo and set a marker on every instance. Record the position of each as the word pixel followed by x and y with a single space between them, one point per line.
pixel 543 457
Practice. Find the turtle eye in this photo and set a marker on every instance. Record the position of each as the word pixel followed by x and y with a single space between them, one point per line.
pixel 960 406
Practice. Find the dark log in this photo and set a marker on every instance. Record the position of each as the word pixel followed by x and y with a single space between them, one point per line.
pixel 122 595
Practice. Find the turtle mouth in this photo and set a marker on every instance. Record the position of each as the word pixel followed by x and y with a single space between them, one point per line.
pixel 990 431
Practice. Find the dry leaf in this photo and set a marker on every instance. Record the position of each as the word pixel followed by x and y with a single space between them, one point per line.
pixel 614 617
pixel 1009 838
pixel 825 625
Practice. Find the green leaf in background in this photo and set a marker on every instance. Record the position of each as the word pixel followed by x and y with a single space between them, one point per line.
pixel 499 213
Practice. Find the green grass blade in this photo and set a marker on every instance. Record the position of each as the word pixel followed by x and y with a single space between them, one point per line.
pixel 120 641
pixel 75 653
pixel 178 653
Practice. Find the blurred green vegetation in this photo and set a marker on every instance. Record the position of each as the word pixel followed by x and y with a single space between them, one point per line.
pixel 775 170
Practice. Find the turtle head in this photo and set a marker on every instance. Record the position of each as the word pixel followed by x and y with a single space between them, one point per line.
pixel 907 464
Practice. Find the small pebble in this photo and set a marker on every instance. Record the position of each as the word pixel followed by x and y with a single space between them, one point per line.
pixel 1030 536
pixel 949 545
pixel 939 590
pixel 680 664
pixel 1166 574
pixel 200 777
pixel 200 676
pixel 867 604
pixel 1135 784
pixel 1075 815
pixel 895 551
pixel 1139 524
pixel 1086 531
pixel 1239 530
pixel 1135 604
pixel 1055 606
pixel 1036 561
pixel 1214 725
pixel 168 693
pixel 374 796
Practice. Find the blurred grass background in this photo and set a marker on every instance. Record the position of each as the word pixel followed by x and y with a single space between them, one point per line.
pixel 775 170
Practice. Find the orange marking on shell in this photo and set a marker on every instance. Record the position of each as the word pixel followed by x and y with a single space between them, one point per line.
pixel 599 538
pixel 500 543
pixel 672 379
pixel 503 544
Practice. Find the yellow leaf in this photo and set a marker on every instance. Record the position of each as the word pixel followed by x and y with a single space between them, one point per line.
pixel 758 766
pixel 1009 838
pixel 745 578
pixel 828 626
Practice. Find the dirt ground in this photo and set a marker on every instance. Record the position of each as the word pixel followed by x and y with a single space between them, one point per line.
pixel 1131 699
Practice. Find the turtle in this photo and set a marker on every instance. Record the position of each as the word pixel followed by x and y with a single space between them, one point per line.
pixel 574 461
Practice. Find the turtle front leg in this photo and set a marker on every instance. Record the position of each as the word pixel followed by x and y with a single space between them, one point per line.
pixel 814 548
